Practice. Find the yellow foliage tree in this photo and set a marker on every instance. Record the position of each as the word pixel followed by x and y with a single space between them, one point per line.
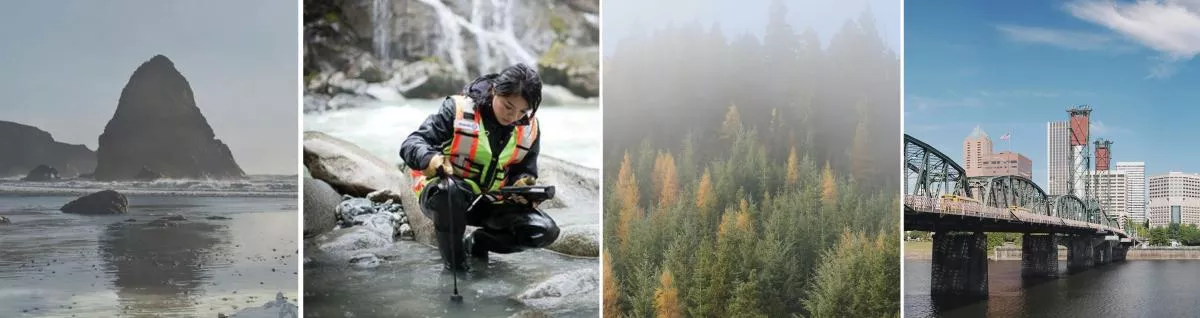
pixel 704 192
pixel 611 294
pixel 666 298
pixel 666 178
pixel 728 220
pixel 627 193
pixel 828 187
pixel 793 168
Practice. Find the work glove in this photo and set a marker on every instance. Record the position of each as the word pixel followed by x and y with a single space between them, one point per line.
pixel 435 163
pixel 523 181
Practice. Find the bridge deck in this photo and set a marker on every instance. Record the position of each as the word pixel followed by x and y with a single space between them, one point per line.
pixel 928 214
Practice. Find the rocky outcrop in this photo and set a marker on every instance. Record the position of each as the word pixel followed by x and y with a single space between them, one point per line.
pixel 320 204
pixel 100 203
pixel 430 48
pixel 41 173
pixel 24 147
pixel 157 126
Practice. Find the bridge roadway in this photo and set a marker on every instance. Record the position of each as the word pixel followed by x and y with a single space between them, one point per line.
pixel 940 198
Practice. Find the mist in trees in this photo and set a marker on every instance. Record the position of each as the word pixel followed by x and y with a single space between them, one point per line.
pixel 753 177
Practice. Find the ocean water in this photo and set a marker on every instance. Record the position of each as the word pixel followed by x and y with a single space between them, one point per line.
pixel 235 250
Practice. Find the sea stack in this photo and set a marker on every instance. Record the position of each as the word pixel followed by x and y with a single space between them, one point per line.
pixel 158 128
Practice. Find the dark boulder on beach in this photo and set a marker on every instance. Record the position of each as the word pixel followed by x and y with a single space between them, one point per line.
pixel 105 202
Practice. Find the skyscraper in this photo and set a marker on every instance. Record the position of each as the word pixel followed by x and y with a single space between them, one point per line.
pixel 1135 175
pixel 1058 164
pixel 980 160
pixel 976 148
pixel 1110 187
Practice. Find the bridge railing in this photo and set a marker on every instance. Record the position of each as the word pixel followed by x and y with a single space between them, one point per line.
pixel 967 208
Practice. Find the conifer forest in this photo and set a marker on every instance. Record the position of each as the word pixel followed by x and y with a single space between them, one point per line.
pixel 752 175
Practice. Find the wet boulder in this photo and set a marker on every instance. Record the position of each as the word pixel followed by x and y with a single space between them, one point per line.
pixel 570 289
pixel 320 204
pixel 578 240
pixel 100 203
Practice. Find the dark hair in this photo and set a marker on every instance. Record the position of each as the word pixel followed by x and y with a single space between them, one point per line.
pixel 520 79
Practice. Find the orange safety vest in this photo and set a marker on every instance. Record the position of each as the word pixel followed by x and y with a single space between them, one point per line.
pixel 472 156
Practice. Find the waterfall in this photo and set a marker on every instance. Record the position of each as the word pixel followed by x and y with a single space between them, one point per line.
pixel 494 35
pixel 381 25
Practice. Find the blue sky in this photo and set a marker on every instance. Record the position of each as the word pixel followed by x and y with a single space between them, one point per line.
pixel 64 64
pixel 736 17
pixel 1016 65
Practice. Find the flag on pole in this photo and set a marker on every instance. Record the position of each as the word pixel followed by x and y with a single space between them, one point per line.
pixel 1004 137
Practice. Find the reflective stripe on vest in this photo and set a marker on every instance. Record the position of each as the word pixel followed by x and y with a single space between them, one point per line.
pixel 470 153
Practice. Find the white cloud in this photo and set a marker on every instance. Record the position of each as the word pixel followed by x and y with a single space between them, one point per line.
pixel 1075 40
pixel 1171 27
pixel 927 103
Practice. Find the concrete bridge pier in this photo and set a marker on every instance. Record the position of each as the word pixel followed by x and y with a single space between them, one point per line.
pixel 1119 252
pixel 1039 255
pixel 1079 252
pixel 1103 252
pixel 960 264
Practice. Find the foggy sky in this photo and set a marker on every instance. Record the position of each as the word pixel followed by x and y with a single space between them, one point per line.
pixel 64 64
pixel 736 17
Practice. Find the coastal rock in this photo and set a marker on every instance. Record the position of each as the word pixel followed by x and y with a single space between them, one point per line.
pixel 147 175
pixel 24 148
pixel 100 203
pixel 158 127
pixel 320 204
pixel 42 173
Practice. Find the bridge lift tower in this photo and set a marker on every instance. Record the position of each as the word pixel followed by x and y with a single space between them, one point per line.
pixel 1079 180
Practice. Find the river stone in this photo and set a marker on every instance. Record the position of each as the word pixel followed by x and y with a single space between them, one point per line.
pixel 576 286
pixel 348 168
pixel 320 204
pixel 347 241
pixel 578 240
pixel 100 203
pixel 365 260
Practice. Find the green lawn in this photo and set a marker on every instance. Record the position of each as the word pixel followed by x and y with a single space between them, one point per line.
pixel 918 249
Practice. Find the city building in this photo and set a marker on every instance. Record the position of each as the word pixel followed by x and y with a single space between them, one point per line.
pixel 1174 199
pixel 1058 162
pixel 1135 174
pixel 977 147
pixel 1006 163
pixel 979 160
pixel 1110 187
